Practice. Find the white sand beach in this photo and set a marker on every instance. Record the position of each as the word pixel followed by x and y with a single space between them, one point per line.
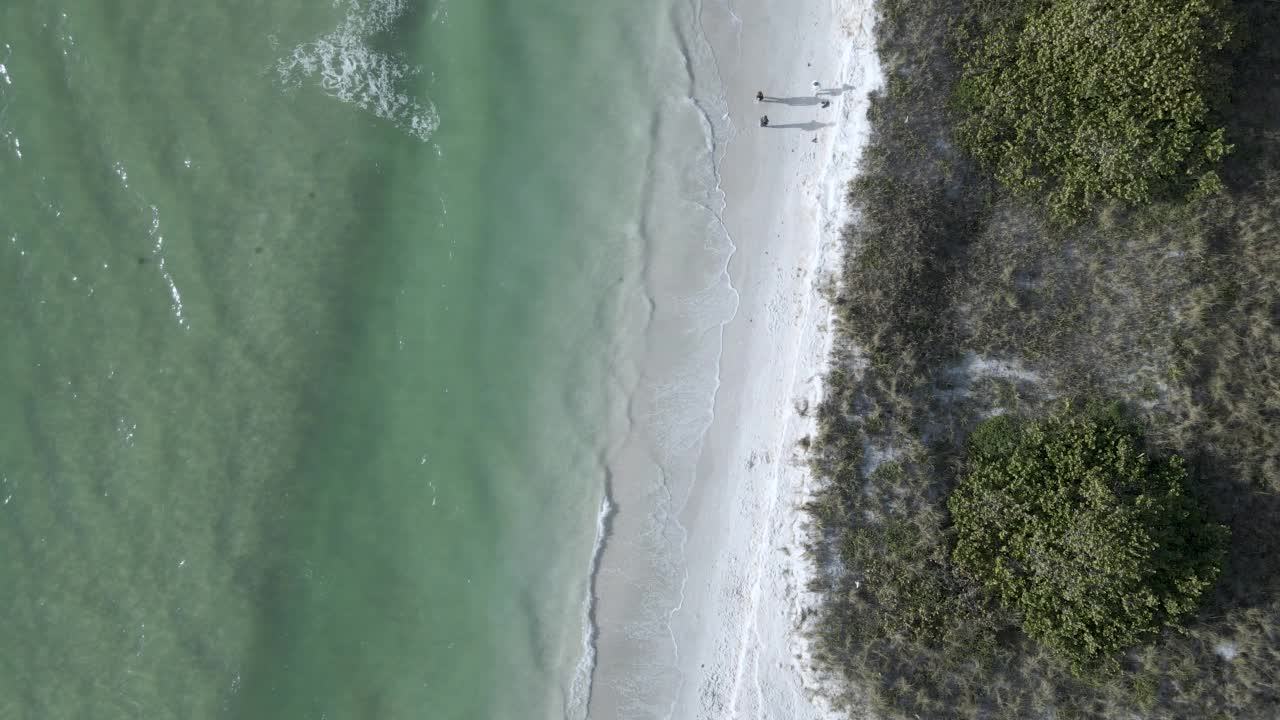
pixel 700 584
pixel 785 207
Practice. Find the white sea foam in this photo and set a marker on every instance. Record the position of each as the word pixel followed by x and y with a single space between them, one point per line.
pixel 349 70
pixel 158 251
pixel 6 133
pixel 157 245
pixel 579 695
pixel 441 13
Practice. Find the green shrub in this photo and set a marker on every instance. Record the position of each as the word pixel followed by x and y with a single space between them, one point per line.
pixel 1172 307
pixel 1074 528
pixel 1086 100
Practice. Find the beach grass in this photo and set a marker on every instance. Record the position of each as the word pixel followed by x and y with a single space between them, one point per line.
pixel 960 299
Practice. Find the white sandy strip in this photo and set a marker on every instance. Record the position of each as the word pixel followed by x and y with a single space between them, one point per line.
pixel 741 652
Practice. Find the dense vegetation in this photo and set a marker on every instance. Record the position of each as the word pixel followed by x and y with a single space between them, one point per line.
pixel 959 299
pixel 1086 539
pixel 1080 100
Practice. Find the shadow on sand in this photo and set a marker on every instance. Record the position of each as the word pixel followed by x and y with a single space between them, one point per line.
pixel 814 99
pixel 801 101
pixel 811 126
pixel 836 91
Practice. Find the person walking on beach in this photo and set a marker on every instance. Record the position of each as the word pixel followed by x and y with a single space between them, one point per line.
pixel 764 121
pixel 759 96
pixel 817 88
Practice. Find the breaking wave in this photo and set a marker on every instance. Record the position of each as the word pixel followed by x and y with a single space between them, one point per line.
pixel 349 70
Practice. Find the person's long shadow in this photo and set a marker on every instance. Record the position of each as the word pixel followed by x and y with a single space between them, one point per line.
pixel 811 126
pixel 794 101
pixel 835 91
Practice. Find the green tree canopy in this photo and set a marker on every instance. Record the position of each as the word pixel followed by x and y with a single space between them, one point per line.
pixel 1086 100
pixel 1074 528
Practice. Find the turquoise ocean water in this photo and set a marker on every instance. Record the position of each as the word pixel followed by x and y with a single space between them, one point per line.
pixel 310 326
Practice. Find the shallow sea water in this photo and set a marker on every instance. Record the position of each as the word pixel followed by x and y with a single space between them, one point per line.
pixel 317 322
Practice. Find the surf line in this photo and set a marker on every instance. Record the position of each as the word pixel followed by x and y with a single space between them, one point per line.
pixel 580 690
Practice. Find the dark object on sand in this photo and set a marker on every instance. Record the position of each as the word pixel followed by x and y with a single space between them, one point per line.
pixel 764 121
pixel 760 96
pixel 826 103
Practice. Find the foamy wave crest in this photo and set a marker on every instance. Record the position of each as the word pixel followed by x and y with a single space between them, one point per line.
pixel 158 252
pixel 350 71
pixel 580 690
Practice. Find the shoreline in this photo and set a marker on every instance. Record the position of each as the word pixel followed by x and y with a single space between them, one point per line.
pixel 697 593
pixel 785 209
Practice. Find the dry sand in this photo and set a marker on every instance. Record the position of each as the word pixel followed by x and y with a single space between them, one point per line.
pixel 741 655
pixel 700 584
